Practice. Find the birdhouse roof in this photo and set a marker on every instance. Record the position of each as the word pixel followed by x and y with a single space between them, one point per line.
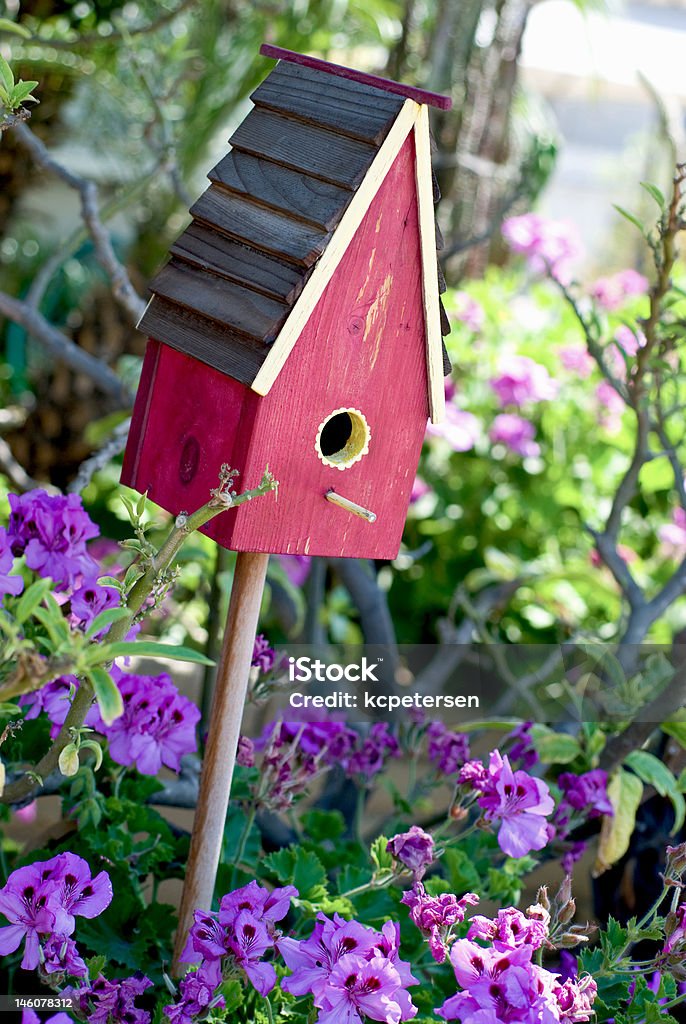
pixel 283 203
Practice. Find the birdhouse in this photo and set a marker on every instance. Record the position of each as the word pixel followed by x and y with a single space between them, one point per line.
pixel 298 322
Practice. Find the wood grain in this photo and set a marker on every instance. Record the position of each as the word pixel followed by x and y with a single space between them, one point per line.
pixel 210 250
pixel 259 227
pixel 427 235
pixel 304 147
pixel 204 339
pixel 315 202
pixel 344 106
pixel 385 84
pixel 219 299
pixel 218 764
pixel 342 237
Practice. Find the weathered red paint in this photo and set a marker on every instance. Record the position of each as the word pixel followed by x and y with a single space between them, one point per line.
pixel 363 347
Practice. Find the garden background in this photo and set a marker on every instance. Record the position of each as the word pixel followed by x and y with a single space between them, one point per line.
pixel 549 514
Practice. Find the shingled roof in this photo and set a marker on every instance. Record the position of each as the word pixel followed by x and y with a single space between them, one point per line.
pixel 273 204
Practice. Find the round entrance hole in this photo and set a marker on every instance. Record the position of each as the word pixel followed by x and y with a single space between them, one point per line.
pixel 343 438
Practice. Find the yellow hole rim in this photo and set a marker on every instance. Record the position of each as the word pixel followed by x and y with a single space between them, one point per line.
pixel 354 449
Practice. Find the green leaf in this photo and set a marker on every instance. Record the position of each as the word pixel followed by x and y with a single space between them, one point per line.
pixel 630 217
pixel 655 193
pixel 110 581
pixel 151 649
pixel 95 965
pixel 108 696
pixel 298 867
pixel 97 750
pixel 21 92
pixel 556 747
pixel 625 791
pixel 677 730
pixel 381 858
pixel 11 26
pixel 68 760
pixel 462 873
pixel 30 600
pixel 322 825
pixel 613 938
pixel 654 773
pixel 6 75
pixel 105 619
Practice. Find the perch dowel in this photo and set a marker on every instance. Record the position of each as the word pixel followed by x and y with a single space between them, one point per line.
pixel 222 741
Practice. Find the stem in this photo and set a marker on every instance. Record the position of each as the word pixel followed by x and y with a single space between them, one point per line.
pixel 247 828
pixel 270 1015
pixel 184 525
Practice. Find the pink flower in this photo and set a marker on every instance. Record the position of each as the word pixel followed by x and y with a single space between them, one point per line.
pixel 459 428
pixel 414 849
pixel 296 567
pixel 358 989
pixel 623 550
pixel 629 341
pixel 468 311
pixel 515 433
pixel 550 246
pixel 8 584
pixel 511 929
pixel 611 407
pixel 419 489
pixel 612 292
pixel 521 380
pixel 577 360
pixel 520 803
pixel 436 916
pixel 672 535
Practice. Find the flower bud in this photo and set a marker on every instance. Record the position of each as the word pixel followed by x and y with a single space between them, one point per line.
pixel 676 860
pixel 567 912
pixel 542 898
pixel 564 893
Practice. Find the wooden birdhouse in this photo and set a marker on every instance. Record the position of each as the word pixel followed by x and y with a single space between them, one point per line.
pixel 297 322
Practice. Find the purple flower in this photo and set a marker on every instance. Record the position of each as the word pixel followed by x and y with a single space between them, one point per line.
pixel 55 700
pixel 575 998
pixel 296 567
pixel 359 988
pixel 515 433
pixel 89 600
pixel 499 985
pixel 157 727
pixel 295 753
pixel 521 380
pixel 197 995
pixel 468 311
pixel 577 360
pixel 435 916
pixel 523 749
pixel 629 341
pixel 520 803
pixel 111 1002
pixel 350 970
pixel 43 898
pixel 30 1017
pixel 51 532
pixel 612 292
pixel 372 753
pixel 8 584
pixel 240 934
pixel 419 489
pixel 446 749
pixel 511 929
pixel 263 656
pixel 676 929
pixel 414 849
pixel 459 428
pixel 586 793
pixel 60 956
pixel 549 246
pixel 245 754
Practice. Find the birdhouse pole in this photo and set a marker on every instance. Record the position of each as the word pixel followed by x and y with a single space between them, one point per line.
pixel 230 694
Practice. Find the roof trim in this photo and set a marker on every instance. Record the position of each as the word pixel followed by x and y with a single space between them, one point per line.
pixel 430 290
pixel 324 269
pixel 433 99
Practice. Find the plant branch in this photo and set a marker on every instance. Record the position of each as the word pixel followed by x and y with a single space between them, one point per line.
pixel 221 500
pixel 63 348
pixel 122 289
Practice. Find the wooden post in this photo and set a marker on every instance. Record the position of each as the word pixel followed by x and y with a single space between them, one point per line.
pixel 222 742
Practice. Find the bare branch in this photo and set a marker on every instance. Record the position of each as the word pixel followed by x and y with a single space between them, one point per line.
pixel 122 289
pixel 114 445
pixel 63 348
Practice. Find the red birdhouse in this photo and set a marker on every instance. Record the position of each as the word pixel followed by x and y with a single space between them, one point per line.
pixel 298 320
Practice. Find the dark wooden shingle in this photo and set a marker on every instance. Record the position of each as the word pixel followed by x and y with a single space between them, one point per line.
pixel 303 147
pixel 259 227
pixel 210 250
pixel 291 192
pixel 347 107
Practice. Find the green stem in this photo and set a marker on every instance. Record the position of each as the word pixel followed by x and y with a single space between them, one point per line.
pixel 247 828
pixel 270 1014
